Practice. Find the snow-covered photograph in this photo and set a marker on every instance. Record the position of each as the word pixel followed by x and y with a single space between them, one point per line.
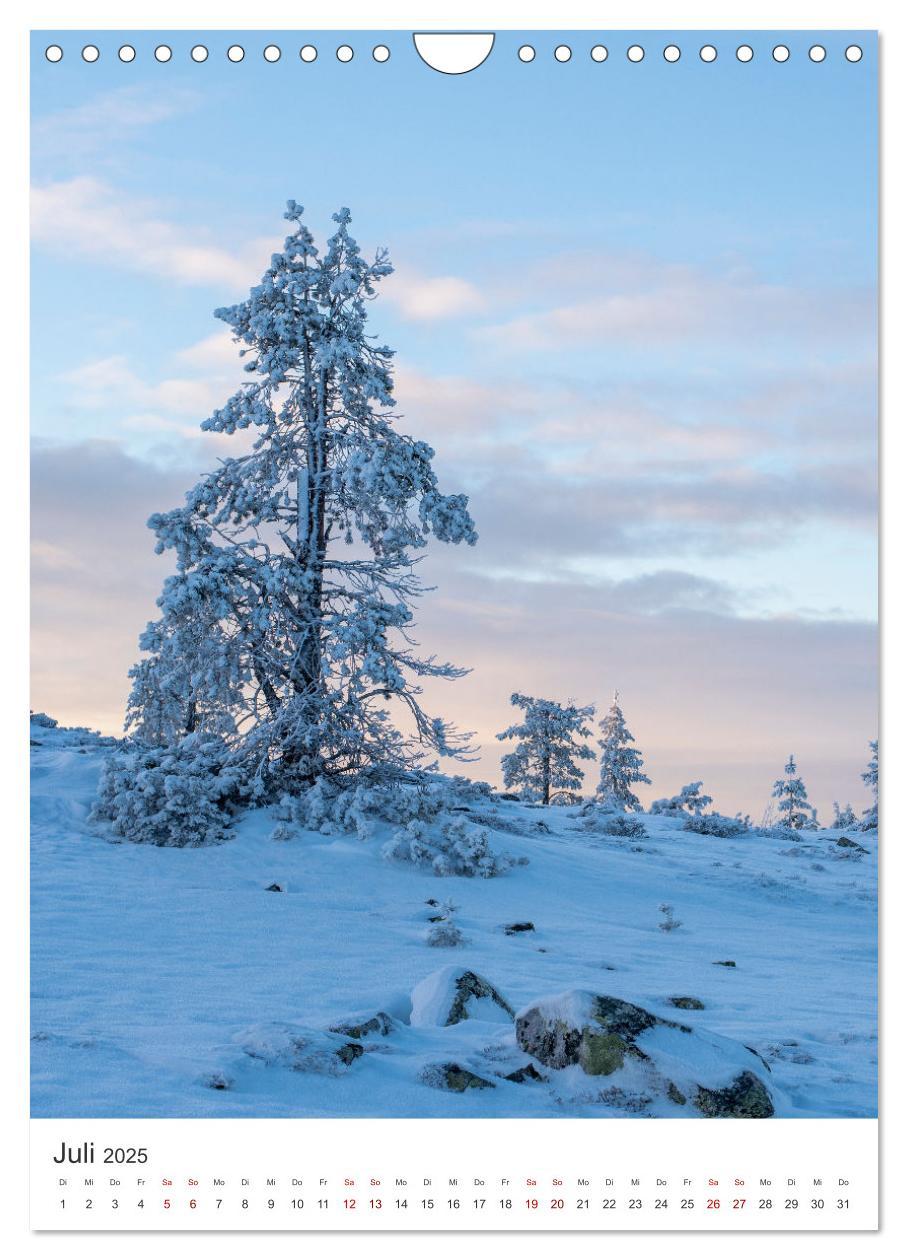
pixel 454 641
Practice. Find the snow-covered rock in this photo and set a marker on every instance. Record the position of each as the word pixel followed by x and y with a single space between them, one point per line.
pixel 453 1077
pixel 602 1034
pixel 300 1049
pixel 360 1026
pixel 453 994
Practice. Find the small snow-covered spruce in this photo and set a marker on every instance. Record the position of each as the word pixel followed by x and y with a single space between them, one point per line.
pixel 287 626
pixel 620 765
pixel 690 800
pixel 443 932
pixel 843 816
pixel 548 747
pixel 794 810
pixel 871 776
pixel 669 922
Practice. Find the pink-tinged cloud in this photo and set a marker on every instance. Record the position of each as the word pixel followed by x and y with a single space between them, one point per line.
pixel 87 217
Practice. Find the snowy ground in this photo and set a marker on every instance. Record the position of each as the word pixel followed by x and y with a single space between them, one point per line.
pixel 160 973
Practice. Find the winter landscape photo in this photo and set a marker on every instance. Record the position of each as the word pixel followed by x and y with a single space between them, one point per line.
pixel 454 647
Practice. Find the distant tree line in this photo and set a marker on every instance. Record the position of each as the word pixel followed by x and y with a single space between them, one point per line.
pixel 544 766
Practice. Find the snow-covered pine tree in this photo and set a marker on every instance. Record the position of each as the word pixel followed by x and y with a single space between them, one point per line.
pixel 545 759
pixel 843 817
pixel 794 809
pixel 870 819
pixel 620 765
pixel 286 629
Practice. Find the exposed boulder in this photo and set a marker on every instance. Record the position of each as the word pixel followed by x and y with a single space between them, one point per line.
pixel 606 1035
pixel 725 962
pixel 526 1073
pixel 512 929
pixel 844 843
pixel 453 994
pixel 746 1098
pixel 218 1080
pixel 378 1025
pixel 453 1077
pixel 687 1003
pixel 577 1027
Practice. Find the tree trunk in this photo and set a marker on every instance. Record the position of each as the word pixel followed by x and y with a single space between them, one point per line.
pixel 311 487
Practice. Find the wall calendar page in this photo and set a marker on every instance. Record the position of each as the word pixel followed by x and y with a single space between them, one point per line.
pixel 454 725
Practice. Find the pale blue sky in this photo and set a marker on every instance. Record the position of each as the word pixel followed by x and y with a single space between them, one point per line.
pixel 634 313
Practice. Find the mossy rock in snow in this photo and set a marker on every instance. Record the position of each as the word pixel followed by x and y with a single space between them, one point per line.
pixel 609 1036
pixel 561 1032
pixel 687 1003
pixel 453 994
pixel 453 1077
pixel 378 1025
pixel 746 1098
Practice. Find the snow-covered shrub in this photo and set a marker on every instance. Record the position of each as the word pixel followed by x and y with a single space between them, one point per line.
pixel 623 825
pixel 464 790
pixel 669 922
pixel 284 832
pixel 43 719
pixel 779 832
pixel 690 800
pixel 843 817
pixel 608 819
pixel 593 814
pixel 330 807
pixel 183 796
pixel 445 935
pixel 450 848
pixel 715 825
